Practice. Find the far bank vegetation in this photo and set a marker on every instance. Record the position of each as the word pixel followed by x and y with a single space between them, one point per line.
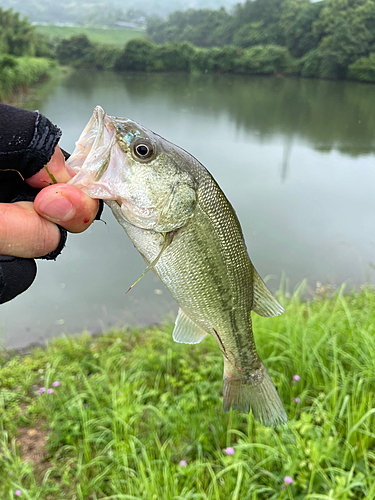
pixel 328 39
pixel 24 54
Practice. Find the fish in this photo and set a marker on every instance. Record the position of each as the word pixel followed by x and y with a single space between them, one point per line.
pixel 188 233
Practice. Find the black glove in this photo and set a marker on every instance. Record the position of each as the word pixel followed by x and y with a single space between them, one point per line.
pixel 27 143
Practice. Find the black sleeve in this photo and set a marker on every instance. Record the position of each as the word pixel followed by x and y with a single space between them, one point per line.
pixel 27 143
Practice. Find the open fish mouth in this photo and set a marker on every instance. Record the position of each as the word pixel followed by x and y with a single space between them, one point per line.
pixel 95 155
pixel 94 142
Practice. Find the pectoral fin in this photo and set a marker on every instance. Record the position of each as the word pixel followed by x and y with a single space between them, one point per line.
pixel 186 331
pixel 264 303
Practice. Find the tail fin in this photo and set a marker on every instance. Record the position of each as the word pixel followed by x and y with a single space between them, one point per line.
pixel 257 391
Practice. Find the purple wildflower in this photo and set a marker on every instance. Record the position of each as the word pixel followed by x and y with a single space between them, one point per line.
pixel 182 463
pixel 85 406
pixel 296 400
pixel 56 384
pixel 18 493
pixel 50 391
pixel 40 392
pixel 229 450
pixel 288 480
pixel 297 378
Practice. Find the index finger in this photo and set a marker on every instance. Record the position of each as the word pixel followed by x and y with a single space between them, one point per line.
pixel 57 167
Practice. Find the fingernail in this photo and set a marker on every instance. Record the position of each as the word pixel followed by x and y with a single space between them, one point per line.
pixel 57 209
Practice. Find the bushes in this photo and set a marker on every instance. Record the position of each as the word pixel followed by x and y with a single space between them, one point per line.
pixel 75 50
pixel 138 55
pixel 78 51
pixel 173 57
pixel 223 60
pixel 363 69
pixel 105 56
pixel 22 53
pixel 143 55
pixel 20 72
pixel 266 60
pixel 310 64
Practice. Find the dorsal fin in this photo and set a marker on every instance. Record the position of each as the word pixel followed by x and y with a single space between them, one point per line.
pixel 186 331
pixel 264 303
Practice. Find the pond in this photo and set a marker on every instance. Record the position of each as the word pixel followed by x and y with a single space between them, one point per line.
pixel 295 157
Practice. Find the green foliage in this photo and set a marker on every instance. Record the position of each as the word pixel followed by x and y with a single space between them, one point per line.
pixel 138 55
pixel 21 52
pixel 19 38
pixel 261 60
pixel 131 405
pixel 79 51
pixel 173 57
pixel 341 48
pixel 21 72
pixel 266 60
pixel 310 64
pixel 327 36
pixel 255 33
pixel 221 60
pixel 143 55
pixel 363 69
pixel 203 28
pixel 296 21
pixel 106 56
pixel 75 51
pixel 257 21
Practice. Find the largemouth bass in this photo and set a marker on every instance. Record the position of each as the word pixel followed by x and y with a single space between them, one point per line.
pixel 188 233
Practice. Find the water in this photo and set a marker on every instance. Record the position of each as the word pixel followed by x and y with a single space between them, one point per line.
pixel 295 157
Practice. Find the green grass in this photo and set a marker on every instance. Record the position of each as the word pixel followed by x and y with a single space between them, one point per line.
pixel 21 72
pixel 132 404
pixel 96 35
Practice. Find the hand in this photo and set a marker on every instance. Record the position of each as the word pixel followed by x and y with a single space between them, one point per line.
pixel 29 229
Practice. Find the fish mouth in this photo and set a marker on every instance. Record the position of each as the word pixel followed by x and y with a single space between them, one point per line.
pixel 94 153
pixel 92 140
pixel 104 170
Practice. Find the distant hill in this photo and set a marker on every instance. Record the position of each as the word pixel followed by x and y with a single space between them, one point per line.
pixel 101 12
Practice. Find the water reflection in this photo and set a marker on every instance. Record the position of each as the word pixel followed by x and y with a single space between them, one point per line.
pixel 328 115
pixel 295 158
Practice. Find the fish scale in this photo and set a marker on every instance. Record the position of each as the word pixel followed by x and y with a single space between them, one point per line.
pixel 187 231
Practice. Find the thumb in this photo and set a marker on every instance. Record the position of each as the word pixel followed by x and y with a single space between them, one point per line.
pixel 67 206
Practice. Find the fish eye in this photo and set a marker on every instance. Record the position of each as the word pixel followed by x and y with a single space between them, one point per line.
pixel 142 149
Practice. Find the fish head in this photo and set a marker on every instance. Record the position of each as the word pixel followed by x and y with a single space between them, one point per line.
pixel 117 159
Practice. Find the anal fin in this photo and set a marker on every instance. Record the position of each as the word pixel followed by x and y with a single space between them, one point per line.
pixel 264 303
pixel 186 331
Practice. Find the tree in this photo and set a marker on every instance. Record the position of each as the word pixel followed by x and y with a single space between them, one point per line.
pixel 363 69
pixel 18 37
pixel 347 43
pixel 74 50
pixel 203 28
pixel 296 21
pixel 173 57
pixel 138 55
pixel 262 16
